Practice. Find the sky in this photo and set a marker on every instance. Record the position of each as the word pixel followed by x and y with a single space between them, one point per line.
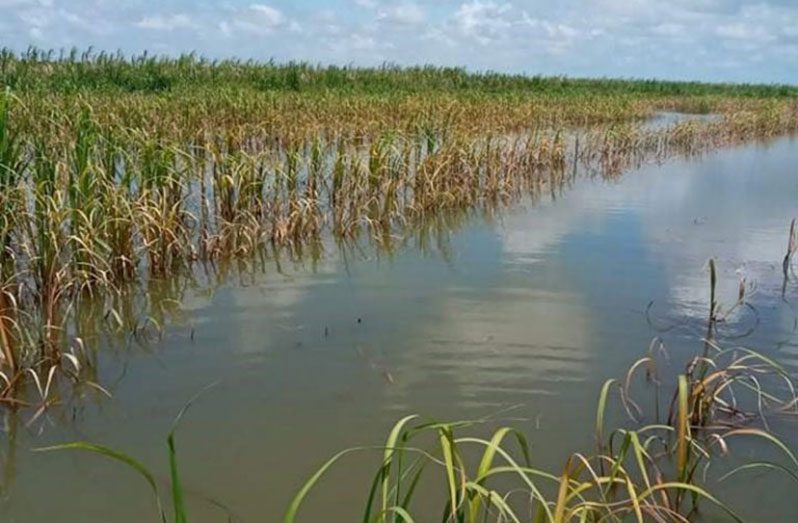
pixel 713 40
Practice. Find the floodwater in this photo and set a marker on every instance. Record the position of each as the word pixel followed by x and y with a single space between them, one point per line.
pixel 665 119
pixel 532 308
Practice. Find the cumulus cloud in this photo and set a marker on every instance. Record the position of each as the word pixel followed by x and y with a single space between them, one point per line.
pixel 38 18
pixel 407 13
pixel 18 3
pixel 267 15
pixel 260 19
pixel 166 22
pixel 741 31
pixel 483 21
pixel 668 29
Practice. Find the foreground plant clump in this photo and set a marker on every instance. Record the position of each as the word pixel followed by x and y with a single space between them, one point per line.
pixel 119 174
pixel 656 469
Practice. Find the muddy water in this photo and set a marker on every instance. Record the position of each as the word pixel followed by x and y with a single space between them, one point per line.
pixel 531 308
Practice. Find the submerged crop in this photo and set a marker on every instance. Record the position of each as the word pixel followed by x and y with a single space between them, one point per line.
pixel 118 176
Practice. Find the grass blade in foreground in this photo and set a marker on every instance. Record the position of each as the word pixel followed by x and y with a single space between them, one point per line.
pixel 121 457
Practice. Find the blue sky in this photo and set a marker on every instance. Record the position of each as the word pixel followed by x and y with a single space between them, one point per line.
pixel 733 40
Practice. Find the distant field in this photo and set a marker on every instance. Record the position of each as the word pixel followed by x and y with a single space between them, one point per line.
pixel 188 98
pixel 97 71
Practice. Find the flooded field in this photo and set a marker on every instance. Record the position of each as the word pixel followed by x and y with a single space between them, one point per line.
pixel 519 314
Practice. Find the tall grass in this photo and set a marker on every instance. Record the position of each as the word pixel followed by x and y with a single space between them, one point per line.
pixel 89 70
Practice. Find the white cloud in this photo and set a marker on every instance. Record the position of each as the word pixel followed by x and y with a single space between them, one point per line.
pixel 258 19
pixel 558 31
pixel 483 21
pixel 166 22
pixel 363 42
pixel 742 31
pixel 668 29
pixel 95 25
pixel 267 15
pixel 36 18
pixel 368 4
pixel 406 13
pixel 19 3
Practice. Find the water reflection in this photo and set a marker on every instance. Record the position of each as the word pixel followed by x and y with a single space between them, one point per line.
pixel 535 305
pixel 667 118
